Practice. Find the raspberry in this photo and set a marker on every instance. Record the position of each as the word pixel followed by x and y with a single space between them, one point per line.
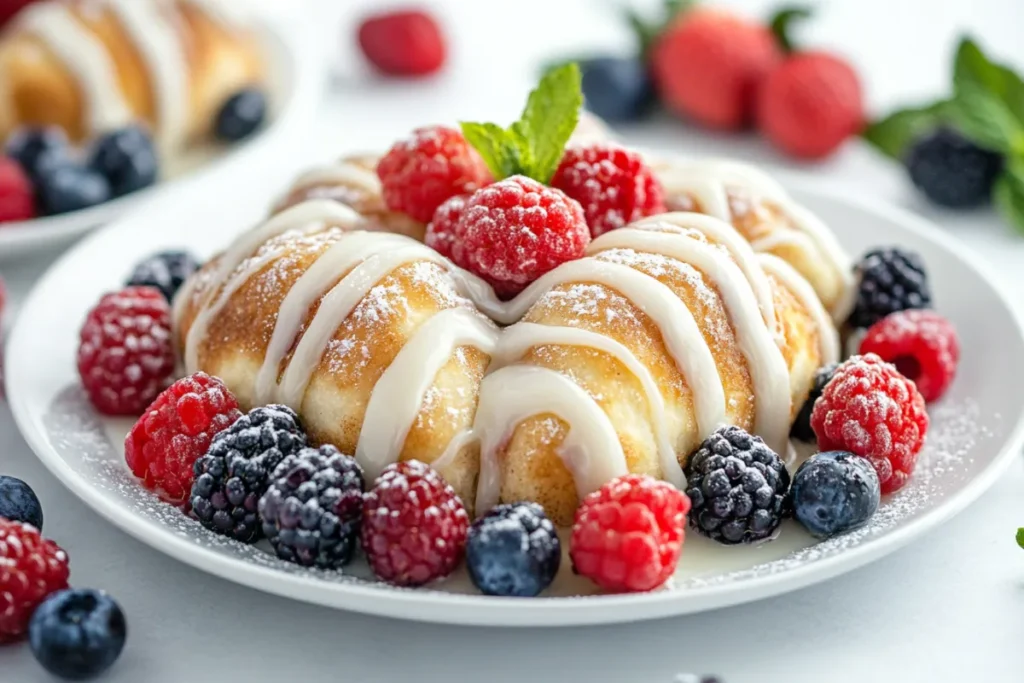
pixel 613 185
pixel 17 199
pixel 125 356
pixel 515 230
pixel 414 526
pixel 921 344
pixel 441 231
pixel 178 427
pixel 31 568
pixel 403 43
pixel 418 174
pixel 952 171
pixel 873 411
pixel 628 534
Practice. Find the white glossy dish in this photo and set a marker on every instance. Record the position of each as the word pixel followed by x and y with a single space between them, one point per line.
pixel 977 430
pixel 296 77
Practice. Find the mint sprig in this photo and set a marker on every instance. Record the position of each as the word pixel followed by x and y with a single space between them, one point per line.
pixel 782 22
pixel 893 134
pixel 647 31
pixel 533 145
pixel 1020 537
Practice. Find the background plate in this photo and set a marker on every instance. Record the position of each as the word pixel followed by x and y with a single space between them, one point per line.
pixel 975 433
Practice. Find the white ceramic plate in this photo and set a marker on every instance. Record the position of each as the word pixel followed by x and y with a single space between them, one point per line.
pixel 975 433
pixel 296 76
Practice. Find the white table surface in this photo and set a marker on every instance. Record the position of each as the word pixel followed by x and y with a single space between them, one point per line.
pixel 950 607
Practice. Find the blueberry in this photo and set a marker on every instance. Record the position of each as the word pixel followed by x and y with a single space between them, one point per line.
pixel 835 492
pixel 36 149
pixel 166 271
pixel 127 158
pixel 241 115
pixel 513 551
pixel 77 634
pixel 70 188
pixel 952 171
pixel 617 89
pixel 18 502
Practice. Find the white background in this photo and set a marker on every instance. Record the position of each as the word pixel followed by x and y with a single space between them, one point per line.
pixel 948 608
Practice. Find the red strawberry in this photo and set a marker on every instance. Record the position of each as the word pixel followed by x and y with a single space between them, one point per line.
pixel 404 43
pixel 810 105
pixel 709 63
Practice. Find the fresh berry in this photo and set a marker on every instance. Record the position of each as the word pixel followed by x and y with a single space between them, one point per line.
pixel 403 43
pixel 441 231
pixel 513 551
pixel 127 158
pixel 176 430
pixel 19 503
pixel 802 426
pixel 31 568
pixel 515 230
pixel 166 271
pixel 708 65
pixel 9 8
pixel 612 184
pixel 234 473
pixel 738 488
pixel 628 534
pixel 421 172
pixel 37 149
pixel 70 187
pixel 125 355
pixel 871 410
pixel 414 526
pixel 952 171
pixel 921 344
pixel 618 89
pixel 891 280
pixel 834 492
pixel 241 116
pixel 77 634
pixel 810 105
pixel 17 198
pixel 313 510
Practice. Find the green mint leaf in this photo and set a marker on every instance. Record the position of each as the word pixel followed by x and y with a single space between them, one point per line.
pixel 972 68
pixel 893 134
pixel 1008 195
pixel 646 32
pixel 1020 537
pixel 495 147
pixel 986 119
pixel 551 114
pixel 782 21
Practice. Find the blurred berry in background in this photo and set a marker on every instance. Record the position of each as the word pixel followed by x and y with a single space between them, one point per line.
pixel 408 43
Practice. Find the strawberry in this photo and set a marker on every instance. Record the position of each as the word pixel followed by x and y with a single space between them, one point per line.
pixel 708 65
pixel 403 43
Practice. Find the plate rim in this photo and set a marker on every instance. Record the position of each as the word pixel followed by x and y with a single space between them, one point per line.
pixel 479 610
pixel 308 74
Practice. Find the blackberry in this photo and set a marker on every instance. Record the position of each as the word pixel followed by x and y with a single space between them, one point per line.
pixel 312 511
pixel 127 158
pixel 166 271
pixel 891 280
pixel 234 473
pixel 737 486
pixel 835 492
pixel 952 171
pixel 802 427
pixel 513 551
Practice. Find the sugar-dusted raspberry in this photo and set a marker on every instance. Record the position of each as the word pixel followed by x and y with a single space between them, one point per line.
pixel 441 231
pixel 125 356
pixel 31 568
pixel 612 184
pixel 515 230
pixel 921 344
pixel 421 172
pixel 871 410
pixel 414 526
pixel 162 447
pixel 628 534
pixel 17 198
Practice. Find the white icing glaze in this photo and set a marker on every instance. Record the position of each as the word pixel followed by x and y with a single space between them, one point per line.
pixel 591 450
pixel 398 395
pixel 158 42
pixel 341 173
pixel 232 14
pixel 828 337
pixel 86 57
